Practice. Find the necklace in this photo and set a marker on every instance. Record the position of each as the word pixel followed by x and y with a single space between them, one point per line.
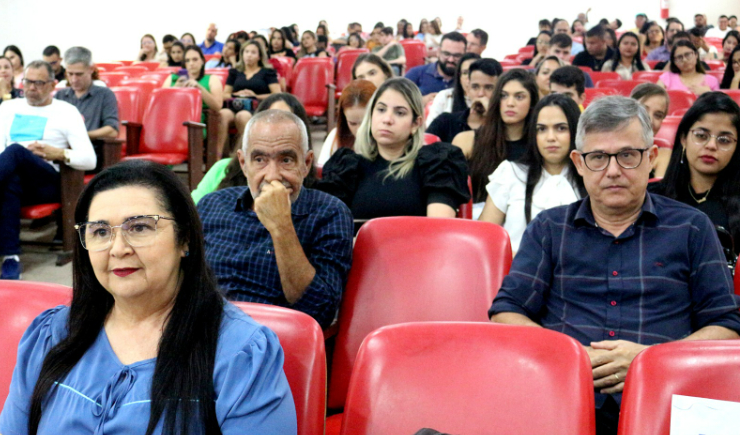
pixel 699 201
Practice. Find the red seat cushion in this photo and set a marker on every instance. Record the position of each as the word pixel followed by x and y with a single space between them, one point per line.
pixel 315 110
pixel 164 158
pixel 39 211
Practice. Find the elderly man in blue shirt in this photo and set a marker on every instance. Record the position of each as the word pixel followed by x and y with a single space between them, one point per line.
pixel 273 241
pixel 621 269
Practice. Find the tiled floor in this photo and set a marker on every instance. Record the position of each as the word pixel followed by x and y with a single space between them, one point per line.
pixel 38 261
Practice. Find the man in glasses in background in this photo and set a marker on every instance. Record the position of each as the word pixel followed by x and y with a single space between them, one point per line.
pixel 621 269
pixel 438 76
pixel 35 134
pixel 53 57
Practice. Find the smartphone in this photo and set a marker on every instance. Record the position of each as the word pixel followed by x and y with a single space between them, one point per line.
pixel 183 73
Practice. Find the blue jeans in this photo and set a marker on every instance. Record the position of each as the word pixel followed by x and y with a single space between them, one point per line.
pixel 25 179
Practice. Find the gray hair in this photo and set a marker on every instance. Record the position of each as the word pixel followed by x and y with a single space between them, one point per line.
pixel 78 55
pixel 608 114
pixel 274 116
pixel 39 64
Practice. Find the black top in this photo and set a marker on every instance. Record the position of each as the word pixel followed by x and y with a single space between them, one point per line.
pixel 447 125
pixel 584 58
pixel 62 75
pixel 712 207
pixel 284 53
pixel 259 83
pixel 515 149
pixel 439 175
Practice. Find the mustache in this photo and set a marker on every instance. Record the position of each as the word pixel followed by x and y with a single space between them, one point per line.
pixel 283 182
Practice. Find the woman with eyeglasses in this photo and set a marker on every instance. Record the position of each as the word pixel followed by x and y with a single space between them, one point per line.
pixel 731 79
pixel 705 163
pixel 545 177
pixel 652 37
pixel 148 49
pixel 148 345
pixel 687 72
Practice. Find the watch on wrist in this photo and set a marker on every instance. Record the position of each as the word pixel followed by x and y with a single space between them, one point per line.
pixel 67 156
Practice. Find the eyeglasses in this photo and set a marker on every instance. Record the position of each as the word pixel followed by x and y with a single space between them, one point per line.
pixel 685 57
pixel 138 231
pixel 653 32
pixel 37 83
pixel 701 138
pixel 452 55
pixel 628 159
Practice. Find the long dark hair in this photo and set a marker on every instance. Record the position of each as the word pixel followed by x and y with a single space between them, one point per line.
pixel 731 34
pixel 18 53
pixel 532 158
pixel 727 184
pixel 196 49
pixel 729 71
pixel 224 62
pixel 687 44
pixel 171 62
pixel 234 176
pixel 636 62
pixel 458 93
pixel 489 148
pixel 270 50
pixel 187 349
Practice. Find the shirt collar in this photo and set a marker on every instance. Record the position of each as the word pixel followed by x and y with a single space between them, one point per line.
pixel 91 91
pixel 585 216
pixel 301 207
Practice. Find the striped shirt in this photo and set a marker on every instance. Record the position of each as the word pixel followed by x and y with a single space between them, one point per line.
pixel 240 251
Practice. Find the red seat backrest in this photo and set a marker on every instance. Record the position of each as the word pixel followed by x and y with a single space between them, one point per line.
pixel 651 76
pixel 716 65
pixel 113 78
pixel 410 269
pixel 310 78
pixel 597 76
pixel 680 100
pixel 157 76
pixel 133 70
pixel 430 138
pixel 130 107
pixel 284 68
pixel 593 93
pixel 733 93
pixel 221 73
pixel 527 49
pixel 126 62
pixel 163 118
pixel 109 66
pixel 719 75
pixel 305 360
pixel 668 129
pixel 416 52
pixel 151 66
pixel 470 378
pixel 652 63
pixel 624 87
pixel 20 303
pixel 708 369
pixel 737 281
pixel 145 87
pixel 345 60
pixel 212 56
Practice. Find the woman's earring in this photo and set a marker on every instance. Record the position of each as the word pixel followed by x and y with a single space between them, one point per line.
pixel 187 253
pixel 683 153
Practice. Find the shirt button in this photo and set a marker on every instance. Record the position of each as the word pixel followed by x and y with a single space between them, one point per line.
pixel 616 242
pixel 615 273
pixel 611 334
pixel 614 303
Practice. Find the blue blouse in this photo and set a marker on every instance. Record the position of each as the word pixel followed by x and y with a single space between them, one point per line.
pixel 100 395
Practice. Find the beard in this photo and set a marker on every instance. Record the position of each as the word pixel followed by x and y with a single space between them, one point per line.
pixel 448 68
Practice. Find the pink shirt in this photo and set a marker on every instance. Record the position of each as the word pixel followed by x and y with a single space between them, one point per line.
pixel 672 82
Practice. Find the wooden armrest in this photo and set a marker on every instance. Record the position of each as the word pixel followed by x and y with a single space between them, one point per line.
pixel 111 151
pixel 195 153
pixel 213 121
pixel 193 124
pixel 331 110
pixel 331 331
pixel 133 137
pixel 73 181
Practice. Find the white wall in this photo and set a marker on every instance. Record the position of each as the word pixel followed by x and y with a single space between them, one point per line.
pixel 112 29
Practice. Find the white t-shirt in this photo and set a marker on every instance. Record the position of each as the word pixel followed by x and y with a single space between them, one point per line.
pixel 715 32
pixel 58 124
pixel 507 190
pixel 328 148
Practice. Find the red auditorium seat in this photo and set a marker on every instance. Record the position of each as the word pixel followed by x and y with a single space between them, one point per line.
pixel 593 93
pixel 416 52
pixel 662 143
pixel 313 85
pixel 597 76
pixel 156 76
pixel 412 269
pixel 470 378
pixel 733 93
pixel 652 63
pixel 212 56
pixel 668 129
pixel 737 281
pixel 624 87
pixel 171 132
pixel 133 71
pixel 126 62
pixel 221 73
pixel 680 100
pixel 108 66
pixel 466 210
pixel 708 369
pixel 284 71
pixel 528 49
pixel 345 60
pixel 145 87
pixel 430 138
pixel 113 78
pixel 130 106
pixel 719 75
pixel 305 360
pixel 587 69
pixel 650 76
pixel 716 65
pixel 151 66
pixel 20 303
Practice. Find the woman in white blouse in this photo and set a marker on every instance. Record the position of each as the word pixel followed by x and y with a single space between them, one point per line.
pixel 626 59
pixel 544 177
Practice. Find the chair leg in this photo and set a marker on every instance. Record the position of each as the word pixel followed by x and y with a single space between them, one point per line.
pixel 72 185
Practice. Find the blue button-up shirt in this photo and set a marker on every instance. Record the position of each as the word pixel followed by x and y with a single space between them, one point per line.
pixel 217 47
pixel 662 279
pixel 240 251
pixel 661 53
pixel 428 78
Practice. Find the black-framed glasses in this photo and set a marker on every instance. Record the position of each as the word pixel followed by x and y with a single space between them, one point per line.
pixel 629 158
pixel 452 55
pixel 138 231
pixel 689 56
pixel 37 83
pixel 701 138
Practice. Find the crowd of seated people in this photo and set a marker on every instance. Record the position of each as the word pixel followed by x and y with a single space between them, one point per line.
pixel 273 231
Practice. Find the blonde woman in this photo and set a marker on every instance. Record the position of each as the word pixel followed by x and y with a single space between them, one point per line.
pixel 390 172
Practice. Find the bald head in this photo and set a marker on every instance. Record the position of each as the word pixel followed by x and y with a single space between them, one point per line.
pixel 211 32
